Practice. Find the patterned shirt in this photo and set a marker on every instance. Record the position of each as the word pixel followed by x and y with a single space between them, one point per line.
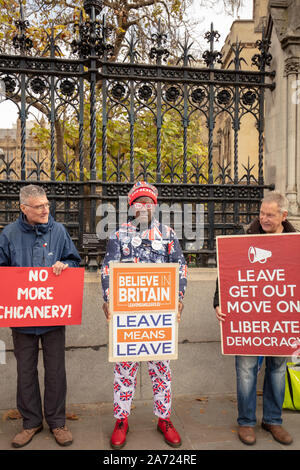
pixel 157 244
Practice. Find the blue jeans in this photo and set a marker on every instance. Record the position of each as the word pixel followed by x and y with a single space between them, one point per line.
pixel 273 390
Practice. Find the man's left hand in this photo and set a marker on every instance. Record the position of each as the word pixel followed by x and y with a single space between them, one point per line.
pixel 59 267
pixel 180 308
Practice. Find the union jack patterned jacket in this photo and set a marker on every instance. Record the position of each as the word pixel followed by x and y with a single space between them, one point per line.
pixel 157 244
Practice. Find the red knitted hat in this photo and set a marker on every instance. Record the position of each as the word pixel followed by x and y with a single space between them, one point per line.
pixel 140 189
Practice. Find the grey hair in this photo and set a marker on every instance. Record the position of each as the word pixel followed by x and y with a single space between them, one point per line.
pixel 280 199
pixel 29 191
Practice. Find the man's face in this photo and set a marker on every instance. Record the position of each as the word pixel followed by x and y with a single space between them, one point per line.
pixel 143 210
pixel 36 210
pixel 271 217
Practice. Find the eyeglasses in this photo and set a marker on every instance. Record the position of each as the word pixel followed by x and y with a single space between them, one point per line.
pixel 40 207
pixel 143 205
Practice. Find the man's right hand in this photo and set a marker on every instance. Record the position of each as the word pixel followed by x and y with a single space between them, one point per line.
pixel 220 316
pixel 106 311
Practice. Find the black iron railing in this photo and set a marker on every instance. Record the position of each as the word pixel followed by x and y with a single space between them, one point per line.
pixel 215 195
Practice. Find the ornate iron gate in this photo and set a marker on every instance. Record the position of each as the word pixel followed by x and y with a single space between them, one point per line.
pixel 213 195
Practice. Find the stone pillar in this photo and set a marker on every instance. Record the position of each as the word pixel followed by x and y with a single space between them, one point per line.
pixel 292 69
pixel 282 124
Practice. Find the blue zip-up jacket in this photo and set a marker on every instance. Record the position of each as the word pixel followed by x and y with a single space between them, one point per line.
pixel 41 245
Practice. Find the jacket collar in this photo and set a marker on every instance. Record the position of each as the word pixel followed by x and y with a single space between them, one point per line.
pixel 255 227
pixel 39 229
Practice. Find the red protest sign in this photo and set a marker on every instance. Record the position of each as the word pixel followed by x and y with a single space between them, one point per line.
pixel 259 286
pixel 37 297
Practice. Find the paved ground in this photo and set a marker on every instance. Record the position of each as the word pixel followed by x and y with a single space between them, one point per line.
pixel 205 423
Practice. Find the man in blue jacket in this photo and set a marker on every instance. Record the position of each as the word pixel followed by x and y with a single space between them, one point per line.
pixel 35 239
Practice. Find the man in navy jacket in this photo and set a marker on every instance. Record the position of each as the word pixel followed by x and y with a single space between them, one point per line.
pixel 35 239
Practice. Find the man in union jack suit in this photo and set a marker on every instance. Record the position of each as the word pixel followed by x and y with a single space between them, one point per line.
pixel 143 240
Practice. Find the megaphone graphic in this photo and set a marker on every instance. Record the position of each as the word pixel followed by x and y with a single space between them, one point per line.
pixel 258 254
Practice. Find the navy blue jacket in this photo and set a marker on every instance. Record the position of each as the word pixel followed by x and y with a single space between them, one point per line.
pixel 22 244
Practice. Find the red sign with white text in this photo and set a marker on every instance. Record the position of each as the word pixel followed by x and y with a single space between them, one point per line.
pixel 259 289
pixel 37 297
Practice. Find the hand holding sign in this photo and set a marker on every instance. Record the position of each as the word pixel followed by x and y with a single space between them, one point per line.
pixel 59 267
pixel 219 314
pixel 106 311
pixel 180 308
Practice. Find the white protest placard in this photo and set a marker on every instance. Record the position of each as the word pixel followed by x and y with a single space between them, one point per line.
pixel 144 305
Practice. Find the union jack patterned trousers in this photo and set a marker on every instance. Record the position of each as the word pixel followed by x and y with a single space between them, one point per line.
pixel 125 383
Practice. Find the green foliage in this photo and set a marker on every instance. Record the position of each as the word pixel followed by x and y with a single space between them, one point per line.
pixel 144 140
pixel 121 15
